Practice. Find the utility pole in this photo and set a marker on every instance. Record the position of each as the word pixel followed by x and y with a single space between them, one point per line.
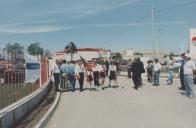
pixel 182 47
pixel 152 20
pixel 159 36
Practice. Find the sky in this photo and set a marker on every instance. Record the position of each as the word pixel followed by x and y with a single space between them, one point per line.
pixel 110 24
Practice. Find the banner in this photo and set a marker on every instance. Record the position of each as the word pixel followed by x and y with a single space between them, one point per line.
pixel 32 68
pixel 192 46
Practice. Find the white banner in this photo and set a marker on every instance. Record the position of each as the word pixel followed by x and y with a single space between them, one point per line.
pixel 193 43
pixel 32 68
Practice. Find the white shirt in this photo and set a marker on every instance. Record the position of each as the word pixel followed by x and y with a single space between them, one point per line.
pixel 102 68
pixel 95 68
pixel 56 69
pixel 189 67
pixel 157 67
pixel 112 68
pixel 170 64
pixel 79 68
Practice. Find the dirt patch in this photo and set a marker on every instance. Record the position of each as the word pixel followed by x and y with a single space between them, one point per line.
pixel 33 118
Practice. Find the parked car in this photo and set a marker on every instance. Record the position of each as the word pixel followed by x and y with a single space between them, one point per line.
pixel 11 75
pixel 123 65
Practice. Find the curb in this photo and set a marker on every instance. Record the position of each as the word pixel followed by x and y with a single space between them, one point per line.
pixel 44 120
pixel 17 111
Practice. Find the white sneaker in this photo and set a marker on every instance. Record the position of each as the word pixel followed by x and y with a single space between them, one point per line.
pixel 191 96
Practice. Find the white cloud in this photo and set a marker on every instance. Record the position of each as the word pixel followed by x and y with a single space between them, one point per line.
pixel 78 8
pixel 135 24
pixel 32 29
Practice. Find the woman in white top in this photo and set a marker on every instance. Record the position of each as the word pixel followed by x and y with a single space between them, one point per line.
pixel 80 70
pixel 189 70
pixel 89 74
pixel 112 73
pixel 102 73
pixel 56 74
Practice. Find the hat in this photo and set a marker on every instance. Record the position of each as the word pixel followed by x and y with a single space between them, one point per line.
pixel 188 55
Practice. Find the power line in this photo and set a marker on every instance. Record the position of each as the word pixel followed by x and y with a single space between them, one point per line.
pixel 126 30
pixel 176 6
pixel 147 15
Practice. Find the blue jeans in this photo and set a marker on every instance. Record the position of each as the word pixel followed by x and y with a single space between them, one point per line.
pixel 188 82
pixel 72 81
pixel 156 77
pixel 171 76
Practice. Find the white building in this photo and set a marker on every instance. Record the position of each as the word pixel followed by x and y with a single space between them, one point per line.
pixel 133 53
pixel 193 43
pixel 86 53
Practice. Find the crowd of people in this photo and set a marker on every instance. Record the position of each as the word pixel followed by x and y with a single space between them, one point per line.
pixel 187 72
pixel 67 73
pixel 95 73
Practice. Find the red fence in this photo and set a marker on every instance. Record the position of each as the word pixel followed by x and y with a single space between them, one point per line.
pixel 12 80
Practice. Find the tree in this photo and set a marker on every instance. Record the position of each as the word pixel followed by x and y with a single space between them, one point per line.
pixel 47 53
pixel 35 49
pixel 165 56
pixel 13 49
pixel 171 54
pixel 117 56
pixel 71 48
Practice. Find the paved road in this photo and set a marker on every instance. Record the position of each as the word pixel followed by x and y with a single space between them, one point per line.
pixel 124 107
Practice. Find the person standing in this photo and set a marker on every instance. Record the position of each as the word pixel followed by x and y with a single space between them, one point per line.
pixel 71 75
pixel 182 72
pixel 95 69
pixel 56 74
pixel 89 74
pixel 141 70
pixel 112 73
pixel 102 73
pixel 64 77
pixel 107 66
pixel 135 70
pixel 129 68
pixel 189 71
pixel 157 70
pixel 80 70
pixel 170 66
pixel 149 69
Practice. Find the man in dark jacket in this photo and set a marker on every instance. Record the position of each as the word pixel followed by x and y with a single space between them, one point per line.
pixel 141 70
pixel 182 72
pixel 135 69
pixel 107 66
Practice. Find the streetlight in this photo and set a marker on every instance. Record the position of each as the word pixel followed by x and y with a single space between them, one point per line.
pixel 159 39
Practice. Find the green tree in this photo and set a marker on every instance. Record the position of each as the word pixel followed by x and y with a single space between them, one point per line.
pixel 47 53
pixel 171 54
pixel 13 49
pixel 35 49
pixel 117 57
pixel 165 56
pixel 71 49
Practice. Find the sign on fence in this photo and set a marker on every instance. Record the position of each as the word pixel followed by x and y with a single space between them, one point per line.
pixel 32 68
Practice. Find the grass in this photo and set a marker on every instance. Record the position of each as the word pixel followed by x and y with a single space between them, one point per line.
pixel 10 93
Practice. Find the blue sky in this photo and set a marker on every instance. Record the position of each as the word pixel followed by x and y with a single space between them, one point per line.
pixel 111 24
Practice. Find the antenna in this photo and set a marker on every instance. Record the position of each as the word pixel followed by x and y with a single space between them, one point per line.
pixel 182 47
pixel 152 18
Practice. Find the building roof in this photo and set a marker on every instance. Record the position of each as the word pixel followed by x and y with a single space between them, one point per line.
pixel 86 49
pixel 194 39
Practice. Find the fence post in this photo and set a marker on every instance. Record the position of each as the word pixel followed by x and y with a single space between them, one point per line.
pixel 47 68
pixel 40 74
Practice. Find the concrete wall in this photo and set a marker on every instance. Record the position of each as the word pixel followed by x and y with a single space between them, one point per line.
pixel 17 111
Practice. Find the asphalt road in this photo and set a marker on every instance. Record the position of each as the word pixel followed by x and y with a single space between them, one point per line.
pixel 123 107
